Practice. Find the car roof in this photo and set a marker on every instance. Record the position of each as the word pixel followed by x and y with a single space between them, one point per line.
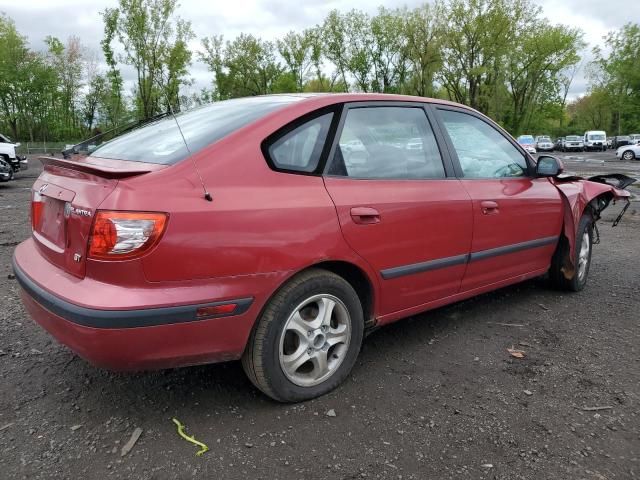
pixel 333 98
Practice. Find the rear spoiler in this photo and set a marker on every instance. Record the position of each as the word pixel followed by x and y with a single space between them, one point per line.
pixel 103 168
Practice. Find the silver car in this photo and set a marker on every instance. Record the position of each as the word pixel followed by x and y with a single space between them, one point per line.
pixel 544 144
pixel 573 143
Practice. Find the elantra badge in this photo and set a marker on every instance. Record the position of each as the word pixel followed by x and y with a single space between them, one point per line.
pixel 70 209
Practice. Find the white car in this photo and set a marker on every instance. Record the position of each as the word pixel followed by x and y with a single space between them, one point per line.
pixel 573 143
pixel 8 154
pixel 595 140
pixel 414 144
pixel 628 152
pixel 635 138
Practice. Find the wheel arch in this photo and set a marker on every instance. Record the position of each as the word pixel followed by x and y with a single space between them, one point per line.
pixel 628 151
pixel 355 275
pixel 360 282
pixel 575 206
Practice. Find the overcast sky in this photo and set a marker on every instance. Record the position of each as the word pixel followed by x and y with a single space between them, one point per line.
pixel 272 18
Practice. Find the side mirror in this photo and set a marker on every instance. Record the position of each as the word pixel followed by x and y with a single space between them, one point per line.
pixel 17 144
pixel 548 166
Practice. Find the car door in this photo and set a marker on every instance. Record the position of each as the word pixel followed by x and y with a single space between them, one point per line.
pixel 517 218
pixel 397 207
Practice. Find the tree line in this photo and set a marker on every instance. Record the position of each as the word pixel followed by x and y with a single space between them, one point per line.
pixel 501 57
pixel 613 101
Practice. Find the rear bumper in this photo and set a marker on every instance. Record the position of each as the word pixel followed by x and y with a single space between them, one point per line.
pixel 135 338
pixel 120 319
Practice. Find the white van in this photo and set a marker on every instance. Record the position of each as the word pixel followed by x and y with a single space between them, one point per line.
pixel 595 140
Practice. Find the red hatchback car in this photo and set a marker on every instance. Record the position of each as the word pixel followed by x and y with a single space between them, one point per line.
pixel 324 216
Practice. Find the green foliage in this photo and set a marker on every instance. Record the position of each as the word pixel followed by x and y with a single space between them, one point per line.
pixel 592 112
pixel 155 45
pixel 424 40
pixel 296 49
pixel 28 86
pixel 501 57
pixel 616 78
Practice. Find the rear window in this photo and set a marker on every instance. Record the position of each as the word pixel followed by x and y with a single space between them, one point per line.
pixel 161 142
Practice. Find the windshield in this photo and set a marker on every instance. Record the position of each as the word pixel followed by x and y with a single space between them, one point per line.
pixel 161 142
pixel 595 136
pixel 573 138
pixel 525 140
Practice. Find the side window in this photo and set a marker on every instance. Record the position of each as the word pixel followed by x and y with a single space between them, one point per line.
pixel 387 142
pixel 300 149
pixel 482 150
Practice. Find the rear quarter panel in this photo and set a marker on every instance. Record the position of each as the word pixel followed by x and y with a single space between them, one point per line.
pixel 260 221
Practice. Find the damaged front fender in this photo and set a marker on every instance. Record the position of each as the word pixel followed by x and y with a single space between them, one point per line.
pixel 592 196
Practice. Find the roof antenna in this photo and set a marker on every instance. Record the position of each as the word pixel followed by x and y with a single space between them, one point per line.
pixel 207 195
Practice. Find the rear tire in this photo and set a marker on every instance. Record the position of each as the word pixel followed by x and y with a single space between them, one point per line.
pixel 582 258
pixel 308 338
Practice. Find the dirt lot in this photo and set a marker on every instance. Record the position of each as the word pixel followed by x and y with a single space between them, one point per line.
pixel 434 396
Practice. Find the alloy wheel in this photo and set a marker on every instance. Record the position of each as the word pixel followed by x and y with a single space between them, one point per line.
pixel 315 340
pixel 583 256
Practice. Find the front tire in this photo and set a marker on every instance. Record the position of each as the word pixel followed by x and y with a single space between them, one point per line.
pixel 582 258
pixel 628 155
pixel 307 339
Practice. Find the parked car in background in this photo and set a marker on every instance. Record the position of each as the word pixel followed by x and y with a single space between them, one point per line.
pixel 8 153
pixel 528 143
pixel 595 140
pixel 619 141
pixel 544 144
pixel 559 144
pixel 6 172
pixel 629 152
pixel 634 138
pixel 572 143
pixel 258 239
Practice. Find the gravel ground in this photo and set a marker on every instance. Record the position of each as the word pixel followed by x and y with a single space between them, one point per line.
pixel 433 396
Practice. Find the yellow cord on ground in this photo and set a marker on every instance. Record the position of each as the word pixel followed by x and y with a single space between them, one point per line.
pixel 203 447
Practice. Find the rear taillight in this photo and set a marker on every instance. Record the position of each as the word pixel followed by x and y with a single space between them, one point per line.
pixel 125 235
pixel 36 210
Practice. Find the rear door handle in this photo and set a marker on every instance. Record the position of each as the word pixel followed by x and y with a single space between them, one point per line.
pixel 365 215
pixel 489 207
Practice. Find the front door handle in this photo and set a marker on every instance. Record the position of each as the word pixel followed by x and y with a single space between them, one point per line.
pixel 365 215
pixel 489 207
